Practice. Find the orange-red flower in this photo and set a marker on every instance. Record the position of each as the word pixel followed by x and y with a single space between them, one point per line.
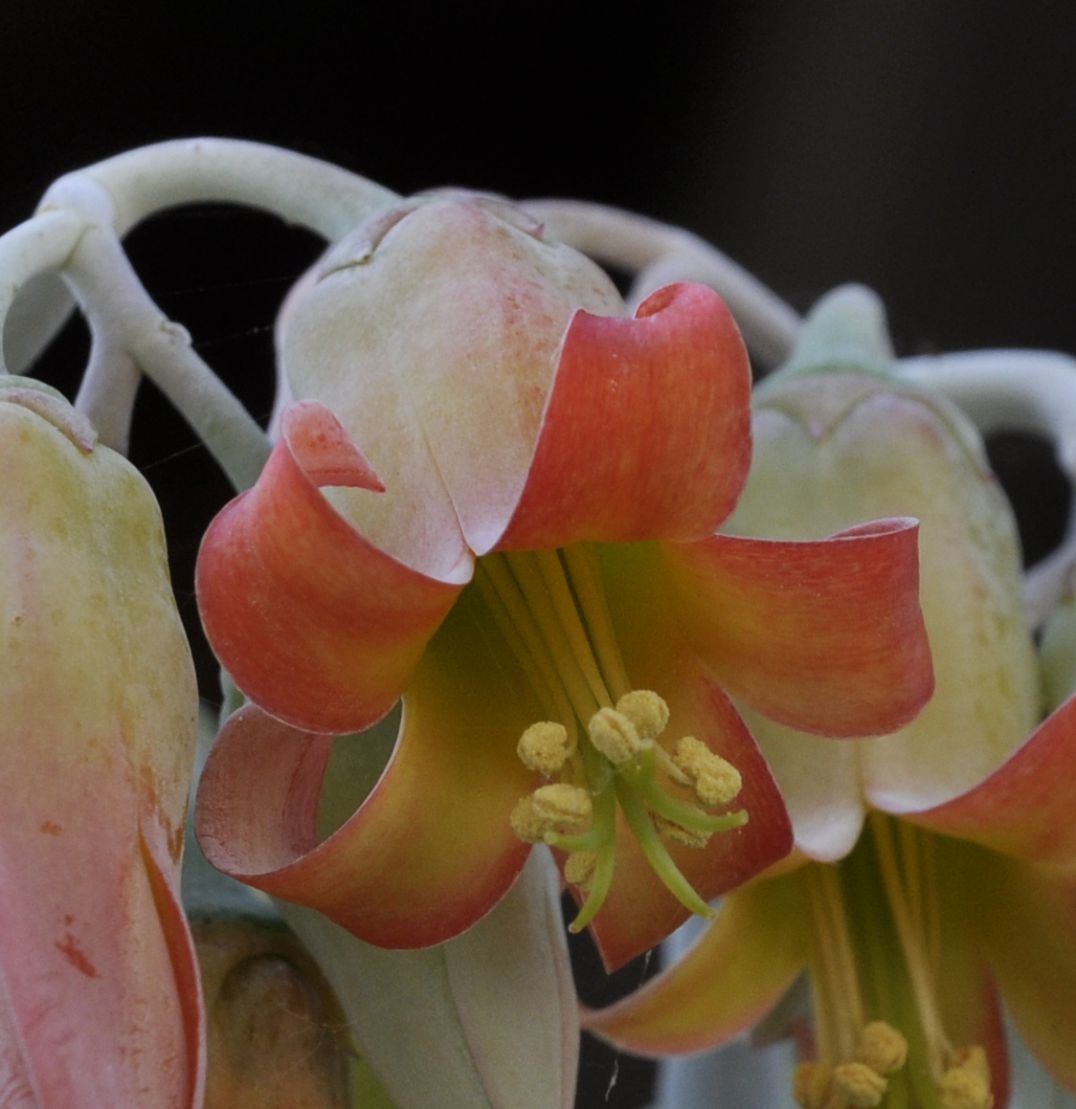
pixel 528 536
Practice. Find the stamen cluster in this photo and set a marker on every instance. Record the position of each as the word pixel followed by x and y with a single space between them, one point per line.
pixel 860 1083
pixel 620 762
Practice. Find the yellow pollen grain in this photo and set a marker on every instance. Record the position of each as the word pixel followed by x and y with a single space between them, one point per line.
pixel 716 781
pixel 526 823
pixel 966 1084
pixel 960 1088
pixel 858 1085
pixel 812 1085
pixel 562 806
pixel 614 736
pixel 646 710
pixel 973 1058
pixel 686 837
pixel 545 747
pixel 579 868
pixel 881 1047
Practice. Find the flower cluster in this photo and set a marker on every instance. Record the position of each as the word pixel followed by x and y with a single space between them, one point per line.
pixel 529 536
pixel 527 589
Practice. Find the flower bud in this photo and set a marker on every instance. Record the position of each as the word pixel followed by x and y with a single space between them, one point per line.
pixel 838 441
pixel 276 1035
pixel 100 1004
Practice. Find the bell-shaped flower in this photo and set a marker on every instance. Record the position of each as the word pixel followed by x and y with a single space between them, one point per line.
pixel 99 996
pixel 526 553
pixel 962 880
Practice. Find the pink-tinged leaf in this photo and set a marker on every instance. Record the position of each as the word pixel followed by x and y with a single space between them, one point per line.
pixel 639 911
pixel 1025 808
pixel 735 973
pixel 826 636
pixel 429 850
pixel 647 431
pixel 312 621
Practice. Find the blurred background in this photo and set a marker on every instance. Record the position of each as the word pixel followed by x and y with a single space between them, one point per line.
pixel 928 150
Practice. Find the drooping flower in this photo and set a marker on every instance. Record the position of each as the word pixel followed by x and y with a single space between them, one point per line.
pixel 532 542
pixel 962 882
pixel 99 997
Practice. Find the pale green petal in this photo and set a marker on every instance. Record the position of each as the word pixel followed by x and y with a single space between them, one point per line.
pixel 485 1021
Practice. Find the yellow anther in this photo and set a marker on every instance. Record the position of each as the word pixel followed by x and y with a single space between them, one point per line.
pixel 960 1088
pixel 646 710
pixel 966 1084
pixel 881 1047
pixel 973 1058
pixel 526 823
pixel 858 1085
pixel 614 736
pixel 563 807
pixel 686 837
pixel 716 781
pixel 812 1085
pixel 579 868
pixel 550 811
pixel 545 747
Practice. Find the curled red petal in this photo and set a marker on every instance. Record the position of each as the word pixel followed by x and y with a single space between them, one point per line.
pixel 430 849
pixel 826 636
pixel 1025 808
pixel 647 430
pixel 733 975
pixel 313 622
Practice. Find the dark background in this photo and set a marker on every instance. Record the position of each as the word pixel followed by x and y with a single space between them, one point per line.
pixel 928 150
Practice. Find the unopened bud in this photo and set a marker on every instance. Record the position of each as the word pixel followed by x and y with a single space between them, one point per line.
pixel 276 1035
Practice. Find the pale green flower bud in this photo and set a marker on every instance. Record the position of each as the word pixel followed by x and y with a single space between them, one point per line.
pixel 839 441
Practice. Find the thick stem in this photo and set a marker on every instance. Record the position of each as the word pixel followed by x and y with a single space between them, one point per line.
pixel 314 194
pixel 659 254
pixel 106 394
pixel 128 325
pixel 39 246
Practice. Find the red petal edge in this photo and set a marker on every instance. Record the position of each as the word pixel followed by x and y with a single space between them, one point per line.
pixel 313 622
pixel 825 636
pixel 647 430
